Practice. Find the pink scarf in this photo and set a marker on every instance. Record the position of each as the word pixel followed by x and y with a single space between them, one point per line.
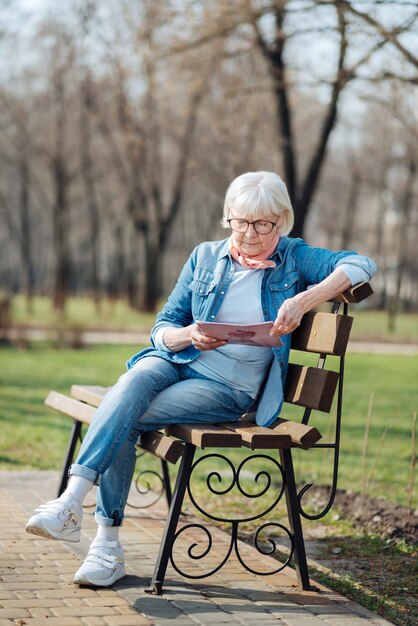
pixel 259 261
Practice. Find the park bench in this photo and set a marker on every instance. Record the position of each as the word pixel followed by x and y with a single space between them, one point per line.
pixel 312 388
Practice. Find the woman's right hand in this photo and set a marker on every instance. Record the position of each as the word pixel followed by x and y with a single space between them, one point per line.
pixel 204 342
pixel 176 339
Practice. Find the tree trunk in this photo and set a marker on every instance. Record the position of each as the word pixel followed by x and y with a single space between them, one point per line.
pixel 380 223
pixel 153 271
pixel 25 232
pixel 118 283
pixel 61 236
pixel 61 181
pixel 351 211
pixel 87 172
pixel 395 303
pixel 284 113
pixel 310 184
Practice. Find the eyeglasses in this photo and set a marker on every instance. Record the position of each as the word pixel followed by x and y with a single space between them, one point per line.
pixel 262 227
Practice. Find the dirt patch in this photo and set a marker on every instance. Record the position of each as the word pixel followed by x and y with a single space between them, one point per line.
pixel 374 562
pixel 387 519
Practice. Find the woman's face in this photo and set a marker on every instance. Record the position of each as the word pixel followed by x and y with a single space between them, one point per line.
pixel 251 242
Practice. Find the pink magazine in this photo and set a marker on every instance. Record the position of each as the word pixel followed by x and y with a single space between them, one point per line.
pixel 246 334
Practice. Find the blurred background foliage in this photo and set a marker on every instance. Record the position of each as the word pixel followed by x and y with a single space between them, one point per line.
pixel 123 121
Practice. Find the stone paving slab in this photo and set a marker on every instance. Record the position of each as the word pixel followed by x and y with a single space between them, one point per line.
pixel 36 577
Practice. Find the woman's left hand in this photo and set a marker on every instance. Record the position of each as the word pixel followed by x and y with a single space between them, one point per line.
pixel 288 317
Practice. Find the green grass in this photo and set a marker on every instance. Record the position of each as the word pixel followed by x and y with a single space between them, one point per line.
pixel 374 325
pixel 81 312
pixel 32 435
pixel 377 574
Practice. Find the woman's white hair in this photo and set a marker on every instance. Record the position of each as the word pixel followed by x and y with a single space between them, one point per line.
pixel 257 194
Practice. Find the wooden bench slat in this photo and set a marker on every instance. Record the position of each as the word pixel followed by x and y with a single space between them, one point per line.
pixel 205 435
pixel 70 407
pixel 310 387
pixel 302 435
pixel 259 437
pixel 92 394
pixel 161 446
pixel 324 333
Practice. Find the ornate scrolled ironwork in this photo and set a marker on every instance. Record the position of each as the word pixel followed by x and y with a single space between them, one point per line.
pixel 264 481
pixel 333 446
pixel 233 545
pixel 273 548
pixel 236 482
pixel 147 489
pixel 192 554
pixel 327 507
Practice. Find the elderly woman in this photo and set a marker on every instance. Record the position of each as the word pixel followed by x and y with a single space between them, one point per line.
pixel 257 274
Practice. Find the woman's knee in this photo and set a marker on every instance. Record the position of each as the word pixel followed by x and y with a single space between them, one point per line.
pixel 142 383
pixel 150 372
pixel 132 378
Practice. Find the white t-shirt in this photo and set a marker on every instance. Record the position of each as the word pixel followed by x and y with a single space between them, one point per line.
pixel 241 367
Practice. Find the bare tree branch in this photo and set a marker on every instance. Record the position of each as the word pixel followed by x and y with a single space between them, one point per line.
pixel 389 35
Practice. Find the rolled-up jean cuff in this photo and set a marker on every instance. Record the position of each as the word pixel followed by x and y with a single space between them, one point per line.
pixel 85 472
pixel 106 521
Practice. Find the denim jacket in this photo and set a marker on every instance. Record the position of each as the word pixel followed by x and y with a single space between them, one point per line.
pixel 201 288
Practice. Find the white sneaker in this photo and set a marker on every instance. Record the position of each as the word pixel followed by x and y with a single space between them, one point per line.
pixel 103 565
pixel 58 519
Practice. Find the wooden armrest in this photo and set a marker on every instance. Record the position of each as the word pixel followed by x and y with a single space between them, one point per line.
pixel 92 394
pixel 302 435
pixel 355 294
pixel 71 407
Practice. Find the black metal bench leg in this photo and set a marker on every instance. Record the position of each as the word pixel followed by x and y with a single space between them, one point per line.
pixel 172 520
pixel 293 511
pixel 74 437
pixel 166 481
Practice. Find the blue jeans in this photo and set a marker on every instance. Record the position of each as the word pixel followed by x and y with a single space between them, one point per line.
pixel 151 395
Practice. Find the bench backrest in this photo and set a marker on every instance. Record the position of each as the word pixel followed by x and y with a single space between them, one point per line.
pixel 325 334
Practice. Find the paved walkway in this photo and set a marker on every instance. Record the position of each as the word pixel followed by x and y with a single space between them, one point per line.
pixel 36 578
